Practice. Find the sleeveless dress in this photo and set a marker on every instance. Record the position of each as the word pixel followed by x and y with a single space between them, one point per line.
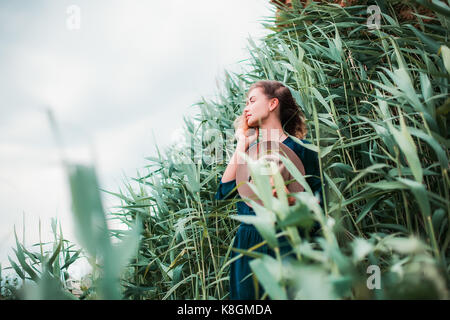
pixel 241 281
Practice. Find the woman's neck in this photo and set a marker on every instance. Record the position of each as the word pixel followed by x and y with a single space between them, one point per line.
pixel 272 133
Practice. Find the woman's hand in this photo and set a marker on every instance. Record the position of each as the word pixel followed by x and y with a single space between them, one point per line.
pixel 244 133
pixel 291 199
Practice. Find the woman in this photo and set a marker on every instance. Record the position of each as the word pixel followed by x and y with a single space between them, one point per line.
pixel 271 110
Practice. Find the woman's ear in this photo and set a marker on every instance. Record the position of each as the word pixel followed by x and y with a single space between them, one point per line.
pixel 274 103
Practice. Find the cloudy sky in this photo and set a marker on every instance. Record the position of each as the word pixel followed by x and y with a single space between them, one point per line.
pixel 118 75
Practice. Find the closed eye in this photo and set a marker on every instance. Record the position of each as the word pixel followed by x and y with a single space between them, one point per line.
pixel 250 100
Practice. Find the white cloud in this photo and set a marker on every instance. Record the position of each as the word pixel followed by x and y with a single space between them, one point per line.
pixel 133 67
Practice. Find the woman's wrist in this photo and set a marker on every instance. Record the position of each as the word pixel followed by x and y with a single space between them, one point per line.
pixel 242 145
pixel 240 148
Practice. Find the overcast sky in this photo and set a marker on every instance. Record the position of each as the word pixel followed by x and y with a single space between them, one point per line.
pixel 120 82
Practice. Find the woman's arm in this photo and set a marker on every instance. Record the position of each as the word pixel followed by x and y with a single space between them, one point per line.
pixel 230 171
pixel 245 136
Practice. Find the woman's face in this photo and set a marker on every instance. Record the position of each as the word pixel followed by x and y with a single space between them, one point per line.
pixel 256 108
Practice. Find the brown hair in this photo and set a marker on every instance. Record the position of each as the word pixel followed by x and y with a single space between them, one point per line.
pixel 291 116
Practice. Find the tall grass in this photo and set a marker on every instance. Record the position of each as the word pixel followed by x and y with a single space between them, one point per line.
pixel 377 106
pixel 48 269
pixel 44 271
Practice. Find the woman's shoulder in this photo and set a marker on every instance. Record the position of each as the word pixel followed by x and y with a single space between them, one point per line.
pixel 302 140
pixel 298 143
pixel 304 152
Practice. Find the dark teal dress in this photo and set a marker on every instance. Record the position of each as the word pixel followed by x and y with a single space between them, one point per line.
pixel 241 284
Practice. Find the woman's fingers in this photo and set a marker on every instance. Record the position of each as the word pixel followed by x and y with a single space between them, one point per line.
pixel 291 199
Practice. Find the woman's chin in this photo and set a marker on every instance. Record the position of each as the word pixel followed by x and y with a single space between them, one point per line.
pixel 252 124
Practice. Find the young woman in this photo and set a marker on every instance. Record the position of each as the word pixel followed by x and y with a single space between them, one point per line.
pixel 272 111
